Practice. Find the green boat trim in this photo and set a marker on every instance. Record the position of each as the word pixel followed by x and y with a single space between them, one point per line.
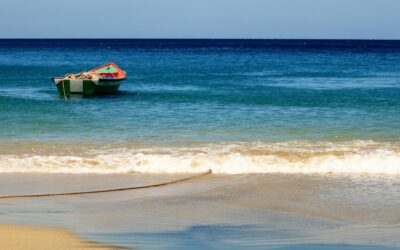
pixel 66 87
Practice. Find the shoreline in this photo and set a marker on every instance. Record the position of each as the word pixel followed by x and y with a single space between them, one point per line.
pixel 35 237
pixel 308 157
pixel 289 210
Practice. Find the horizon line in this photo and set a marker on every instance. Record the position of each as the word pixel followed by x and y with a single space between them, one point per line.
pixel 292 39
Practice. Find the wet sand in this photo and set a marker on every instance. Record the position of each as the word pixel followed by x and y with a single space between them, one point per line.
pixel 274 211
pixel 43 238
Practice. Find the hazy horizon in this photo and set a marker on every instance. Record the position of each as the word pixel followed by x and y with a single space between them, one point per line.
pixel 218 19
pixel 183 38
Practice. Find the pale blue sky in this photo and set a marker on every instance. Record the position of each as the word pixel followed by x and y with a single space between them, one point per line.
pixel 354 19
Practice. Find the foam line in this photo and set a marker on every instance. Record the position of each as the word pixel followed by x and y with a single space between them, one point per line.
pixel 296 157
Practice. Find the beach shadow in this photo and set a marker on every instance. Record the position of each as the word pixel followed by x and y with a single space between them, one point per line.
pixel 333 247
pixel 224 237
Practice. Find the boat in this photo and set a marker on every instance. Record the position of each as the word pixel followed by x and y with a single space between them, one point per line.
pixel 105 79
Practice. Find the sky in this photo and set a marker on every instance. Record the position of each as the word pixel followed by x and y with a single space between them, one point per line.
pixel 270 19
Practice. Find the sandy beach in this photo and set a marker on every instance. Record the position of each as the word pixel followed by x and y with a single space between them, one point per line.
pixel 43 238
pixel 212 212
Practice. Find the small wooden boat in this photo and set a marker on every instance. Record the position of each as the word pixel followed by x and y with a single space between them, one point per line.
pixel 105 79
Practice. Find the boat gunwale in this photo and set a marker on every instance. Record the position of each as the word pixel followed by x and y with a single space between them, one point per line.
pixel 100 79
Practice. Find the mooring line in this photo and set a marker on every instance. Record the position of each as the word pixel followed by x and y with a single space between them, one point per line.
pixel 105 190
pixel 65 96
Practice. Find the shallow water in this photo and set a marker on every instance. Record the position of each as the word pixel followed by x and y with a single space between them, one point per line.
pixel 216 212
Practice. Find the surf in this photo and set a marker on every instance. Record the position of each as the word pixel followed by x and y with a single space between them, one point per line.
pixel 296 157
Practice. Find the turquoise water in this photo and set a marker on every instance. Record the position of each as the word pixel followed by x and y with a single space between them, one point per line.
pixel 184 92
pixel 326 114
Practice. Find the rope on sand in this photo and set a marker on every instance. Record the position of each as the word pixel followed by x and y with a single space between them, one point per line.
pixel 106 190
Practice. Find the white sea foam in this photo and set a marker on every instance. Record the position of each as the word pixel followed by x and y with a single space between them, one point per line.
pixel 296 157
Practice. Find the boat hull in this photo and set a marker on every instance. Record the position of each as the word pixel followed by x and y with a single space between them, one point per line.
pixel 87 87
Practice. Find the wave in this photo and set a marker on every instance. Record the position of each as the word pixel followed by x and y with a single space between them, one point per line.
pixel 358 157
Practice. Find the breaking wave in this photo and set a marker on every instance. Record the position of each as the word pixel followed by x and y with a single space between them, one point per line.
pixel 358 157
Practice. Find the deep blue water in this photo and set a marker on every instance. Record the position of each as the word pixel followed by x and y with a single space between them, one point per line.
pixel 182 91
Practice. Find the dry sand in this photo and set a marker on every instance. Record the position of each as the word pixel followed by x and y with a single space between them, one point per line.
pixel 24 237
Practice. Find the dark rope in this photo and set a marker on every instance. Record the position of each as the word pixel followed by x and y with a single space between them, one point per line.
pixel 105 190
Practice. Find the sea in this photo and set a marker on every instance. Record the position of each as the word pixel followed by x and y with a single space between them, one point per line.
pixel 302 137
pixel 232 106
